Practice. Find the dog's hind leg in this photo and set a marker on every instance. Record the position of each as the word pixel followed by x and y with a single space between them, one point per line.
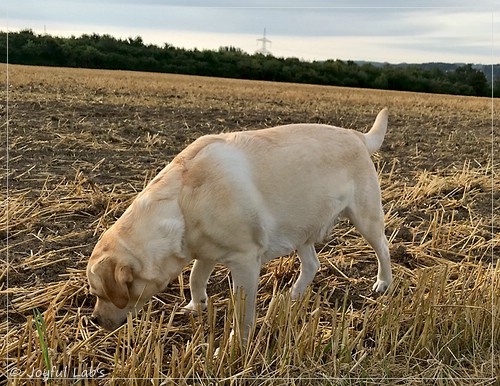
pixel 309 265
pixel 200 273
pixel 368 218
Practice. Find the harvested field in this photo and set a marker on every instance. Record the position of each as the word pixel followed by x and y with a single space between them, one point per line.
pixel 82 143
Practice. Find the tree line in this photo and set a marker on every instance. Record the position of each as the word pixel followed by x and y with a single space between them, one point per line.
pixel 108 52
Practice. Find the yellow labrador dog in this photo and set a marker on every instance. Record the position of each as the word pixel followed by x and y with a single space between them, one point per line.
pixel 241 199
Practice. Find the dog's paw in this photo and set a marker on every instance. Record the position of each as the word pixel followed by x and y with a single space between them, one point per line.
pixel 381 286
pixel 194 308
pixel 295 294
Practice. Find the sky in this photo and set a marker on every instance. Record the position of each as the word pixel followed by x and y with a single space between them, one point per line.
pixel 404 31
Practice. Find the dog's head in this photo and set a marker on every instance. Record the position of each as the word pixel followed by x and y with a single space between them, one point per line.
pixel 127 268
pixel 110 272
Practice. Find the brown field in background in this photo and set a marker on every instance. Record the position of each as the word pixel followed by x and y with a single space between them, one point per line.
pixel 83 143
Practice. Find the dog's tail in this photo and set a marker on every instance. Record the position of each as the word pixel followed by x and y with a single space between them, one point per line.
pixel 375 137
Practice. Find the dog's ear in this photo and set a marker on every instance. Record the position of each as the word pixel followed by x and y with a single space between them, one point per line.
pixel 115 279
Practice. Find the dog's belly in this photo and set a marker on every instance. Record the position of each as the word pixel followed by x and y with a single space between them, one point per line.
pixel 277 249
pixel 286 239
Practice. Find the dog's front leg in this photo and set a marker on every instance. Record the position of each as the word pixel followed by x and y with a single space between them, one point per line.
pixel 245 275
pixel 200 273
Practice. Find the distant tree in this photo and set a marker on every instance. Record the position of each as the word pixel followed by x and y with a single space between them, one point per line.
pixel 106 51
pixel 496 88
pixel 381 81
pixel 52 52
pixel 474 80
pixel 231 49
pixel 136 42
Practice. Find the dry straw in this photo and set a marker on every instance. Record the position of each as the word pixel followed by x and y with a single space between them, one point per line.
pixel 439 321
